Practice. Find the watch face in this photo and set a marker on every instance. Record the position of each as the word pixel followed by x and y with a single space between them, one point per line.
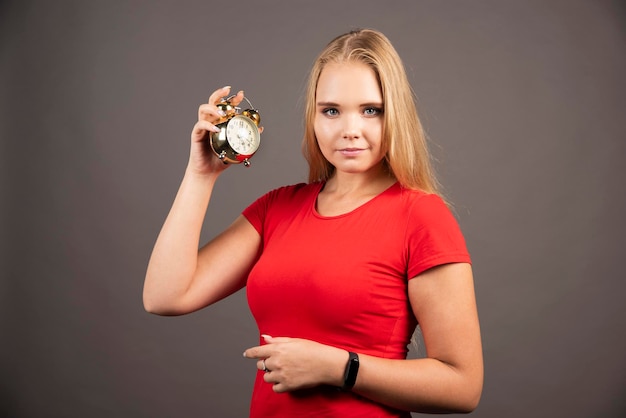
pixel 243 135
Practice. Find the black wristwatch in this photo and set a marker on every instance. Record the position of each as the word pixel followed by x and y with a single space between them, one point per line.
pixel 352 369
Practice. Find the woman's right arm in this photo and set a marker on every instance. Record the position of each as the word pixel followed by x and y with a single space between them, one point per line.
pixel 180 278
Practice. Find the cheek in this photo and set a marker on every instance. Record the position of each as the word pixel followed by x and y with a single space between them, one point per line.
pixel 321 130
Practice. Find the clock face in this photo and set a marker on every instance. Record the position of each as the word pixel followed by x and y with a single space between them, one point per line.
pixel 243 135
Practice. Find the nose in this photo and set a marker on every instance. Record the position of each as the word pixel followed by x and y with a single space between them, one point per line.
pixel 352 126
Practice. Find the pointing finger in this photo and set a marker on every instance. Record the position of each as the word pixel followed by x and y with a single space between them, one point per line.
pixel 259 352
pixel 274 340
pixel 217 95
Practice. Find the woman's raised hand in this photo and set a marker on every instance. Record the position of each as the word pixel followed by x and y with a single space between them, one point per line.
pixel 202 160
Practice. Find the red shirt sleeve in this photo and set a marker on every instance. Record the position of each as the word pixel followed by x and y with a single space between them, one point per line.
pixel 433 236
pixel 255 213
pixel 274 206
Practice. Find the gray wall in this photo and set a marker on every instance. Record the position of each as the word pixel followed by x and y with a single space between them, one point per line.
pixel 525 103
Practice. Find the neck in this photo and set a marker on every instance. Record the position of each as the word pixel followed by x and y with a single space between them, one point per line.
pixel 371 182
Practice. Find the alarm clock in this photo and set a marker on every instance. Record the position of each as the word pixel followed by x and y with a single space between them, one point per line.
pixel 238 137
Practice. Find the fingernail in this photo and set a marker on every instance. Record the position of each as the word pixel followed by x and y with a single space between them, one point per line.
pixel 221 112
pixel 226 87
pixel 244 354
pixel 265 336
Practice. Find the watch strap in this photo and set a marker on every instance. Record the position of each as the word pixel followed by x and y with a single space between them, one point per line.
pixel 352 369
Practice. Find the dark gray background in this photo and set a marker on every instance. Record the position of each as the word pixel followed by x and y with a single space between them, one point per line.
pixel 525 103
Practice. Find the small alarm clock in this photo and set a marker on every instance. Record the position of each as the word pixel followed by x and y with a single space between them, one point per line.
pixel 239 137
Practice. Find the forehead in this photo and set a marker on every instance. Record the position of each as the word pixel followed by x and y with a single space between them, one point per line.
pixel 351 81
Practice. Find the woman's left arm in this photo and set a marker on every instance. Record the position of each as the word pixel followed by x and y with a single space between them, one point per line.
pixel 449 379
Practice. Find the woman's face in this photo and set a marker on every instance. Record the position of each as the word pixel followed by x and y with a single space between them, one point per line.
pixel 348 120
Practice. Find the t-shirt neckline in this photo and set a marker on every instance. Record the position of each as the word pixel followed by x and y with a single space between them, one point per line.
pixel 321 184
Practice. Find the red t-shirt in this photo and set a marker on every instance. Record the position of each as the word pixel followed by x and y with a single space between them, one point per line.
pixel 342 281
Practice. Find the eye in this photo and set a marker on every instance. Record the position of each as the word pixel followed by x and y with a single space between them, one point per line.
pixel 330 111
pixel 372 111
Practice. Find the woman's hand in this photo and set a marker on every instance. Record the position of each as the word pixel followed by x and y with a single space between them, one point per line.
pixel 294 363
pixel 202 160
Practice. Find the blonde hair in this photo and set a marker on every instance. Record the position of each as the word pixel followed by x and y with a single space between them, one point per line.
pixel 407 157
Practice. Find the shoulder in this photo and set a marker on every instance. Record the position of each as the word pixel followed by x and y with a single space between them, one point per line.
pixel 292 191
pixel 433 233
pixel 427 210
pixel 277 205
pixel 297 188
pixel 420 202
pixel 287 196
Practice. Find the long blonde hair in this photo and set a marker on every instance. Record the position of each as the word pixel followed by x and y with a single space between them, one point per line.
pixel 407 157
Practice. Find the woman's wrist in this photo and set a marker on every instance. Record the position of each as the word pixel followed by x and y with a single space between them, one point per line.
pixel 351 371
pixel 205 176
pixel 342 369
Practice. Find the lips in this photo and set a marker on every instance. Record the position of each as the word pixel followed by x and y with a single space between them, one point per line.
pixel 350 152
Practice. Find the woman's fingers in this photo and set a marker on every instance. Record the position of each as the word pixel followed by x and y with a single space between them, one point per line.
pixel 237 99
pixel 210 112
pixel 218 94
pixel 206 126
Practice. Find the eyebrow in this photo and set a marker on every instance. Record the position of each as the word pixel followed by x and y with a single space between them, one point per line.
pixel 327 104
pixel 333 104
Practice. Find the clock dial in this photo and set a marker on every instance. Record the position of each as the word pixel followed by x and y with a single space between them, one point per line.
pixel 243 135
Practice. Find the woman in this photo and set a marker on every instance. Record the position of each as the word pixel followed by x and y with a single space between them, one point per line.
pixel 338 271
